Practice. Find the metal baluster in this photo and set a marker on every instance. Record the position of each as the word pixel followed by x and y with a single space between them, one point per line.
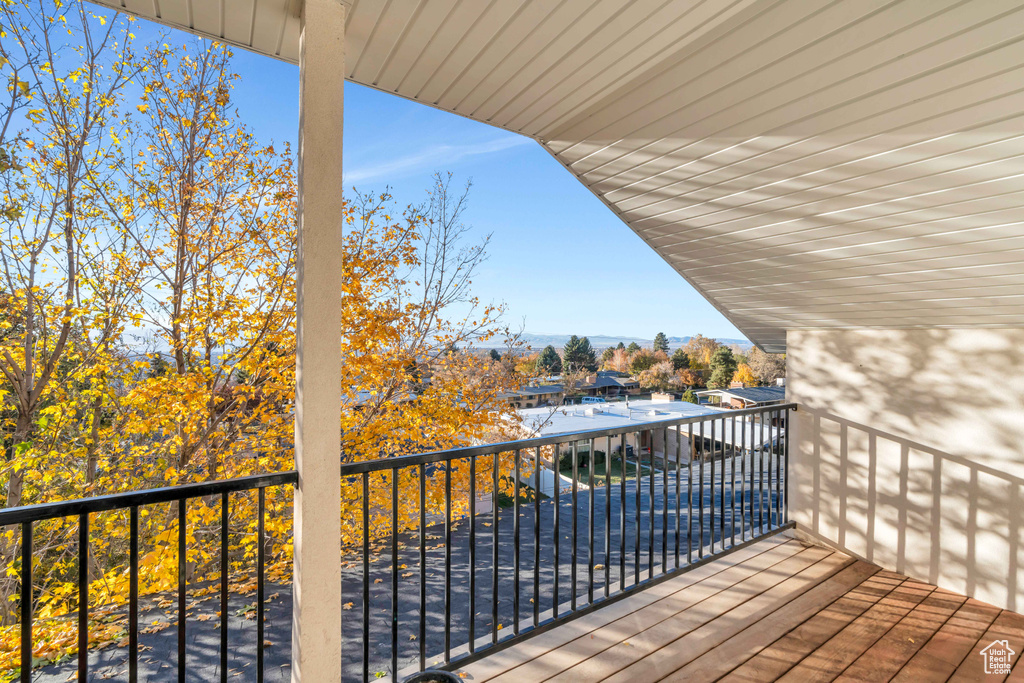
pixel 732 482
pixel 755 443
pixel 778 468
pixel 756 476
pixel 607 516
pixel 650 511
pixel 590 524
pixel 423 567
pixel 754 439
pixel 700 495
pixel 448 562
pixel 789 420
pixel 224 587
pixel 692 450
pixel 26 602
pixel 760 480
pixel 83 598
pixel 182 586
pixel 771 459
pixel 743 479
pixel 394 574
pixel 664 500
pixel 721 494
pixel 495 461
pixel 515 546
pixel 261 504
pixel 575 503
pixel 639 514
pixel 622 511
pixel 714 486
pixel 133 595
pixel 756 432
pixel 556 470
pixel 366 577
pixel 679 457
pixel 472 555
pixel 536 537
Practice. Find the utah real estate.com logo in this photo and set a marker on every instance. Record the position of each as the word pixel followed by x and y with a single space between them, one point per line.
pixel 997 657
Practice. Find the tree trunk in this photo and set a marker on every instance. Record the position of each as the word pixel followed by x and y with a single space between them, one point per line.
pixel 16 482
pixel 94 439
pixel 9 585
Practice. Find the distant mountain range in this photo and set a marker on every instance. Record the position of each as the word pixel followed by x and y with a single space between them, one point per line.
pixel 599 341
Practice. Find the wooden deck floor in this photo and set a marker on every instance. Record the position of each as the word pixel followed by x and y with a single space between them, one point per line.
pixel 778 610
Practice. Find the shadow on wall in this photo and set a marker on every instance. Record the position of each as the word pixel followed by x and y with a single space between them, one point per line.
pixel 910 452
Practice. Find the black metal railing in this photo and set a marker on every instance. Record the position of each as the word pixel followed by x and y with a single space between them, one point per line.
pixel 687 490
pixel 27 516
pixel 655 499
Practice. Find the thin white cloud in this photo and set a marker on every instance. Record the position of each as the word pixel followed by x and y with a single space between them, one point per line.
pixel 431 158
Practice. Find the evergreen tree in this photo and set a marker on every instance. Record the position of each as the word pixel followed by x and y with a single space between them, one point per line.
pixel 723 367
pixel 633 347
pixel 661 342
pixel 495 355
pixel 578 354
pixel 606 355
pixel 549 362
pixel 158 367
pixel 680 361
pixel 621 346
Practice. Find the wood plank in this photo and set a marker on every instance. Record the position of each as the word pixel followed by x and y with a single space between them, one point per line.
pixel 788 650
pixel 534 648
pixel 885 658
pixel 832 658
pixel 1007 626
pixel 626 649
pixel 944 652
pixel 710 636
pixel 590 642
pixel 744 645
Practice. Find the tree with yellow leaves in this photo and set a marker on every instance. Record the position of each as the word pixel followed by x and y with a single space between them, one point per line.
pixel 207 215
pixel 745 375
pixel 147 318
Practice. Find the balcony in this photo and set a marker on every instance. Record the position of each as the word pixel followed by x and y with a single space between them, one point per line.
pixel 686 568
pixel 842 180
pixel 441 592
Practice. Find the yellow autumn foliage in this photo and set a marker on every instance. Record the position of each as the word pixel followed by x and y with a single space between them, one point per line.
pixel 147 324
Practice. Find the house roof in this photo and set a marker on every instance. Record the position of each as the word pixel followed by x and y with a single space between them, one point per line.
pixel 540 390
pixel 570 419
pixel 607 380
pixel 753 394
pixel 803 165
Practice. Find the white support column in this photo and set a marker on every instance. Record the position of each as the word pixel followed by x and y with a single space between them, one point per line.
pixel 316 620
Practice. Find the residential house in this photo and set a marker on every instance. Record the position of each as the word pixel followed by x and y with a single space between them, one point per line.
pixel 743 397
pixel 535 396
pixel 609 384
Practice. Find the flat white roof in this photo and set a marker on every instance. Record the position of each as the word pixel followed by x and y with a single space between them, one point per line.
pixel 580 418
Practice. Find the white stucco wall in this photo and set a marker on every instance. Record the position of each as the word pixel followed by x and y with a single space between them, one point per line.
pixel 909 452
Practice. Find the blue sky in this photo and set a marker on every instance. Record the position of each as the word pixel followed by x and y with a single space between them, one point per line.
pixel 559 259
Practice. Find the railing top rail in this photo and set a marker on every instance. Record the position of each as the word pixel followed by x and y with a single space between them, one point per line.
pixel 167 494
pixel 398 462
pixel 117 501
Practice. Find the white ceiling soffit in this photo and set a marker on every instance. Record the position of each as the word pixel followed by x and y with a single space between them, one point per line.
pixel 804 164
